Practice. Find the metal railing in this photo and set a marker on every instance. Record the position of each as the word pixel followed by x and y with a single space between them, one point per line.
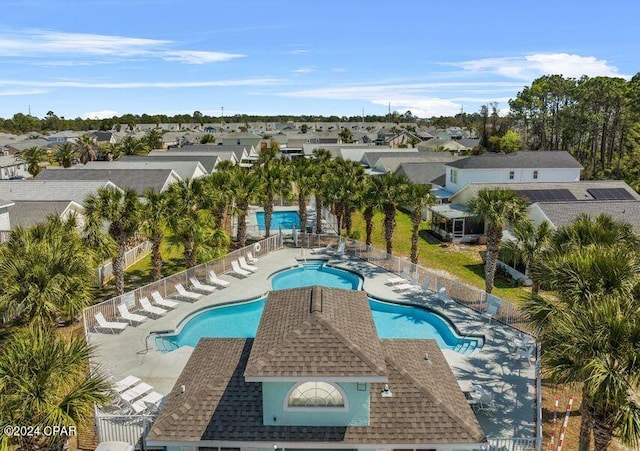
pixel 131 257
pixel 468 295
pixel 515 444
pixel 122 428
pixel 166 286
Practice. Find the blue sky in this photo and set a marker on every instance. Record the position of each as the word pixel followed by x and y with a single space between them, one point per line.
pixel 97 58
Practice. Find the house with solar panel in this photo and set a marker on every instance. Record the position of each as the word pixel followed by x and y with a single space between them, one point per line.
pixel 550 181
pixel 316 376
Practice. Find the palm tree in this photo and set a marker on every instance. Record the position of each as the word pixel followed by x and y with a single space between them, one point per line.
pixel 371 203
pixel 418 198
pixel 586 231
pixel 530 242
pixel 87 148
pixel 132 146
pixel 320 164
pixel 349 194
pixel 45 381
pixel 66 153
pixel 497 208
pixel 390 190
pixel 245 186
pixel 192 225
pixel 272 174
pixel 122 210
pixel 33 156
pixel 155 213
pixel 153 139
pixel 111 151
pixel 218 195
pixel 45 273
pixel 302 177
pixel 589 333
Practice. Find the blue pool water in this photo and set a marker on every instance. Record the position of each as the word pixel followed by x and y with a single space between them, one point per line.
pixel 391 320
pixel 315 273
pixel 283 219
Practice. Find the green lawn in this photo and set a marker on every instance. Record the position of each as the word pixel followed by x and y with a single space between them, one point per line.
pixel 462 262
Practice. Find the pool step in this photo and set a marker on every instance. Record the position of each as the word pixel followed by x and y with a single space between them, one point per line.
pixel 466 346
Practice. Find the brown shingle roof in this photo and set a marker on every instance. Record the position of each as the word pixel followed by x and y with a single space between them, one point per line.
pixel 316 331
pixel 427 406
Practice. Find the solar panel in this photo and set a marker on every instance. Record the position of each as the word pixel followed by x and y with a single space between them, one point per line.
pixel 547 195
pixel 610 194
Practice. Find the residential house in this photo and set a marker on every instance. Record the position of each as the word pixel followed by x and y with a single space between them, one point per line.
pixel 12 167
pixel 190 169
pixel 316 376
pixel 18 146
pixel 209 161
pixel 140 180
pixel 5 220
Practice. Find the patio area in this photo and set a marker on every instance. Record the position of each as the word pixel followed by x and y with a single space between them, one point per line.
pixel 496 366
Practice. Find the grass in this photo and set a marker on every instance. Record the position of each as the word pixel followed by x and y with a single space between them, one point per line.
pixel 462 262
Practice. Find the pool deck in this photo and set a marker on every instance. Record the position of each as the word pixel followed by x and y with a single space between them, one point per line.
pixel 494 366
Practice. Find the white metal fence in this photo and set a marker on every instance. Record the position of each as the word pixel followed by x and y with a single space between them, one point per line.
pixel 515 444
pixel 131 257
pixel 123 428
pixel 166 286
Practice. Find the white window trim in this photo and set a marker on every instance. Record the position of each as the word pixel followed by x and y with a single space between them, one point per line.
pixel 288 408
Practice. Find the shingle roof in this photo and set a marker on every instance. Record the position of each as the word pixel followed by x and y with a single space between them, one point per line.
pixel 519 160
pixel 427 406
pixel 424 173
pixel 185 169
pixel 137 179
pixel 49 190
pixel 316 332
pixel 208 161
pixel 563 213
pixel 26 214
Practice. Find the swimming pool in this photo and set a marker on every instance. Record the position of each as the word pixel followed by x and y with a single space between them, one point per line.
pixel 391 320
pixel 284 219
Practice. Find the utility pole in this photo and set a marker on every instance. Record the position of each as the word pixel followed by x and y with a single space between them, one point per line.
pixel 222 108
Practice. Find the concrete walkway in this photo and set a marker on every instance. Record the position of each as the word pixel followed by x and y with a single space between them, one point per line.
pixel 494 366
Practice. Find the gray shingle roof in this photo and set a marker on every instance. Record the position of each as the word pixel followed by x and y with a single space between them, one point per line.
pixel 427 406
pixel 563 213
pixel 519 160
pixel 185 169
pixel 49 190
pixel 208 161
pixel 424 173
pixel 137 179
pixel 316 332
pixel 26 214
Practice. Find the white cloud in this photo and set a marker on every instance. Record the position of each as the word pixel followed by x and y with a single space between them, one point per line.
pixel 422 107
pixel 529 67
pixel 297 52
pixel 103 114
pixel 142 85
pixel 304 70
pixel 21 92
pixel 50 44
pixel 200 57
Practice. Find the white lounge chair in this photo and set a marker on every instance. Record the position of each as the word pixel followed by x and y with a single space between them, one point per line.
pixel 124 384
pixel 112 326
pixel 399 279
pixel 188 295
pixel 444 298
pixel 323 250
pixel 149 401
pixel 158 299
pixel 152 309
pixel 132 318
pixel 246 266
pixel 235 269
pixel 424 287
pixel 199 286
pixel 137 391
pixel 409 285
pixel 215 280
pixel 250 258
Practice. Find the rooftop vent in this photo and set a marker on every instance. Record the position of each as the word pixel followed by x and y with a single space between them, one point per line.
pixel 386 391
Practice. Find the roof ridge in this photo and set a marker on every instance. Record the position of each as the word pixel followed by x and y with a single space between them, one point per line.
pixel 452 413
pixel 357 350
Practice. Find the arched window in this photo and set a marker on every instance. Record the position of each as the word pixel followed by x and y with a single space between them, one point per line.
pixel 316 394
